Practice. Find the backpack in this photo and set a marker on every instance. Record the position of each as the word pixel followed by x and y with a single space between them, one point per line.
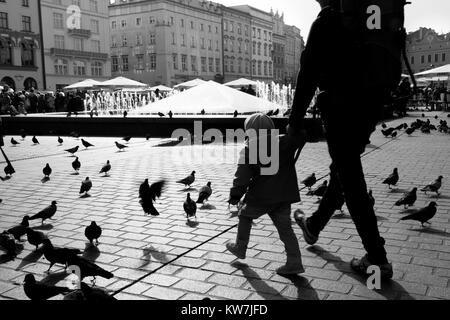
pixel 377 32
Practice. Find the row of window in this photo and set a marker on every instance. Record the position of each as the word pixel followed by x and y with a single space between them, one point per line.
pixel 229 27
pixel 25 3
pixel 78 68
pixel 93 4
pixel 58 23
pixel 152 20
pixel 259 68
pixel 78 44
pixel 429 58
pixel 4 22
pixel 7 56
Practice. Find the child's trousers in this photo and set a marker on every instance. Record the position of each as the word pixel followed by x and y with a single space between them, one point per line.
pixel 281 217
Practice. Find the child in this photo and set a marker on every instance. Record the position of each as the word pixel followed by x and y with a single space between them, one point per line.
pixel 268 194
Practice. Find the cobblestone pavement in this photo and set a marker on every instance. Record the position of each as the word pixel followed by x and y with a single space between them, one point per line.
pixel 176 260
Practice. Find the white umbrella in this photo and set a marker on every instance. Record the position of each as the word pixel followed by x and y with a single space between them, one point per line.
pixel 161 88
pixel 437 71
pixel 121 82
pixel 85 84
pixel 242 82
pixel 190 84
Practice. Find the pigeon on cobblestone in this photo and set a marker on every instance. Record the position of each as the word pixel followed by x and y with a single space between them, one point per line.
pixel 76 165
pixel 73 150
pixel 162 115
pixel 190 207
pixel 21 229
pixel 189 180
pixel 392 179
pixel 170 114
pixel 14 142
pixel 86 186
pixel 93 232
pixel 408 199
pixel 434 186
pixel 87 293
pixel 23 134
pixel 310 181
pixel 35 238
pixel 47 213
pixel 423 215
pixel 35 140
pixel 394 134
pixel 204 193
pixel 58 255
pixel 86 144
pixel 37 291
pixel 410 131
pixel 88 268
pixel 319 191
pixel 235 114
pixel 106 168
pixel 9 169
pixel 384 126
pixel 120 146
pixel 47 171
pixel 388 132
pixel 148 195
pixel 60 140
pixel 8 243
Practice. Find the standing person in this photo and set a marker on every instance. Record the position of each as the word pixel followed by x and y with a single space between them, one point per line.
pixel 33 101
pixel 267 194
pixel 350 115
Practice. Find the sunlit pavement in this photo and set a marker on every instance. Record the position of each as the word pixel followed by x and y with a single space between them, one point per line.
pixel 175 260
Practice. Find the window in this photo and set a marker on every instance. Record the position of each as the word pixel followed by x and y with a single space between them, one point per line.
pixel 124 40
pixel 5 52
pixel 232 65
pixel 3 20
pixel 25 3
pixel 125 63
pixel 61 67
pixel 203 43
pixel 97 69
pixel 259 67
pixel 175 61
pixel 27 53
pixel 114 64
pixel 78 44
pixel 210 45
pixel 211 64
pixel 193 63
pixel 422 59
pixel 265 68
pixel 95 27
pixel 26 24
pixel 217 65
pixel 152 20
pixel 203 59
pixel 58 22
pixel 93 5
pixel 139 40
pixel 226 65
pixel 192 24
pixel 151 38
pixel 59 42
pixel 123 23
pixel 436 58
pixel 140 62
pixel 184 62
pixel 95 45
pixel 114 25
pixel 138 21
pixel 79 68
pixel 114 41
pixel 429 58
pixel 183 40
pixel 443 57
pixel 254 67
pixel 173 38
pixel 152 62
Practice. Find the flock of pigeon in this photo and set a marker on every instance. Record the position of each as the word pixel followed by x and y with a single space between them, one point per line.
pixel 69 256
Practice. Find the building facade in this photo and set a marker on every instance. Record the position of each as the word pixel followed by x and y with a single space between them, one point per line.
pixel 293 50
pixel 166 41
pixel 262 42
pixel 21 64
pixel 427 49
pixel 279 44
pixel 237 44
pixel 76 41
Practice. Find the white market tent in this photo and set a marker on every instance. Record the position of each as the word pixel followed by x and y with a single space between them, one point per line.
pixel 161 88
pixel 121 82
pixel 242 82
pixel 441 71
pixel 211 96
pixel 189 84
pixel 85 84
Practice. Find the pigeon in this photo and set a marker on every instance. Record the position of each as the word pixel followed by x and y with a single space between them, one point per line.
pixel 408 199
pixel 204 193
pixel 188 180
pixel 47 213
pixel 423 215
pixel 310 181
pixel 320 190
pixel 400 127
pixel 125 114
pixel 127 139
pixel 410 131
pixel 276 112
pixel 8 243
pixel 394 134
pixel 384 126
pixel 73 150
pixel 23 134
pixel 106 168
pixel 203 112
pixel 37 291
pixel 91 113
pixel 190 207
pixel 87 293
pixel 9 169
pixel 436 117
pixel 287 113
pixel 425 130
pixel 148 195
pixel 76 165
pixel 120 146
pixel 35 238
pixel 35 140
pixel 93 232
pixel 86 186
pixel 434 186
pixel 270 113
pixel 20 230
pixel 423 115
pixel 392 179
pixel 235 114
pixel 371 198
pixel 58 255
pixel 148 136
pixel 161 114
pixel 47 171
pixel 87 268
pixel 14 142
pixel 170 114
pixel 86 144
pixel 60 140
pixel 387 132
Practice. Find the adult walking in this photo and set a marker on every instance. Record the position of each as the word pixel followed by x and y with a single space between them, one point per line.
pixel 350 114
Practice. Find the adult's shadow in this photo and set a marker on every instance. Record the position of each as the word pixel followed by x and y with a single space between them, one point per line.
pixel 91 252
pixel 45 179
pixel 432 231
pixel 390 289
pixel 44 227
pixel 33 257
pixel 304 289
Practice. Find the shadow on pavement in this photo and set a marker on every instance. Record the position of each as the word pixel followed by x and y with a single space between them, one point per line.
pixel 432 231
pixel 207 207
pixel 192 224
pixel 391 290
pixel 155 253
pixel 53 278
pixel 45 227
pixel 91 252
pixel 31 258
